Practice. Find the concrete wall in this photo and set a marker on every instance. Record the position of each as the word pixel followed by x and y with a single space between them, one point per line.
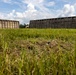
pixel 65 22
pixel 9 24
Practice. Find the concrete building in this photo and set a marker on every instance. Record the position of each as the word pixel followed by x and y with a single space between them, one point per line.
pixel 9 24
pixel 63 22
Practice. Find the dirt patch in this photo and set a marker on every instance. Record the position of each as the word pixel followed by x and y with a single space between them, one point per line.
pixel 41 45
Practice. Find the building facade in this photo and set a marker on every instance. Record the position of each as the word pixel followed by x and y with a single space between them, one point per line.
pixel 9 24
pixel 64 22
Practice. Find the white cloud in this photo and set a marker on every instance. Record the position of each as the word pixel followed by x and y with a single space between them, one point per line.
pixel 1 15
pixel 66 0
pixel 23 17
pixel 68 10
pixel 11 15
pixel 35 2
pixel 6 1
pixel 51 3
pixel 36 9
pixel 31 7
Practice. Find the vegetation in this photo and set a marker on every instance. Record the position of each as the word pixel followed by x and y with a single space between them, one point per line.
pixel 37 52
pixel 22 25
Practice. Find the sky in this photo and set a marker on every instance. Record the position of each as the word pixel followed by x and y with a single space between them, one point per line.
pixel 26 10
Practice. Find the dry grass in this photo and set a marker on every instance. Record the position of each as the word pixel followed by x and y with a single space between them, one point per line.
pixel 38 52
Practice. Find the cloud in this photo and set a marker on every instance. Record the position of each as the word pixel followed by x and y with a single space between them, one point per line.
pixel 6 1
pixel 1 15
pixel 68 10
pixel 23 17
pixel 65 0
pixel 35 2
pixel 51 3
pixel 31 7
pixel 37 9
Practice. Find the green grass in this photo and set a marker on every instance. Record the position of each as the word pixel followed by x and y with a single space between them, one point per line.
pixel 37 51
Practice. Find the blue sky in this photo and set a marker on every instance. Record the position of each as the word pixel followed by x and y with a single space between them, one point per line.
pixel 26 10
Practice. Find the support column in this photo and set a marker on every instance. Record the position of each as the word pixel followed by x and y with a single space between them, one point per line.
pixel 0 25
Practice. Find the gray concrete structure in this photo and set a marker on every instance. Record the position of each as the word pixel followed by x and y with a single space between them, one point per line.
pixel 63 22
pixel 9 24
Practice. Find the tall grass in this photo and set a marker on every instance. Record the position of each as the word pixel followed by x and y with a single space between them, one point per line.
pixel 27 52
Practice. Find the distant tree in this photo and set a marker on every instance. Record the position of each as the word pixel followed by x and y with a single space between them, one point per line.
pixel 22 26
pixel 27 26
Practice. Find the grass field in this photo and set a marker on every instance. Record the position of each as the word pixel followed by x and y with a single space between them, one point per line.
pixel 37 51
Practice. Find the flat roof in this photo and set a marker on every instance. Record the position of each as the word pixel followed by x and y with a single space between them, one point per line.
pixel 8 20
pixel 54 18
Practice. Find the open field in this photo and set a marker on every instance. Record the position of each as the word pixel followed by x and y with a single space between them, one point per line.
pixel 37 51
